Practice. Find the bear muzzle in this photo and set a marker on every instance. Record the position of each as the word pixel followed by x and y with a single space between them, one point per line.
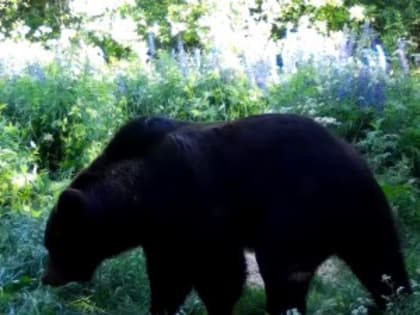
pixel 53 278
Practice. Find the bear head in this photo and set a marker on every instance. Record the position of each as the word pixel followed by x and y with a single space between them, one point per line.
pixel 71 240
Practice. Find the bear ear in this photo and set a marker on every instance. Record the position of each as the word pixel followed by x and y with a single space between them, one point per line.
pixel 72 203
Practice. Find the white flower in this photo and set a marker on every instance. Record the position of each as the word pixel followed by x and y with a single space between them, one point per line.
pixel 326 121
pixel 317 3
pixel 21 180
pixel 359 310
pixel 124 30
pixel 321 26
pixel 293 311
pixel 357 12
pixel 177 28
pixel 155 28
pixel 23 30
pixel 45 29
pixel 399 290
pixel 47 137
pixel 386 278
pixel 335 3
pixel 68 33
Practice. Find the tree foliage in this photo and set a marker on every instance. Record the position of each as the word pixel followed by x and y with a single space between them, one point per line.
pixel 32 15
pixel 173 19
pixel 394 19
pixel 168 19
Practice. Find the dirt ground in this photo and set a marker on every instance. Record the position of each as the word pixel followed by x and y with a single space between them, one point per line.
pixel 328 270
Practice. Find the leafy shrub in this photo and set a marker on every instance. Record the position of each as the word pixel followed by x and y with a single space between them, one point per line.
pixel 196 95
pixel 62 114
pixel 402 116
pixel 394 172
pixel 19 174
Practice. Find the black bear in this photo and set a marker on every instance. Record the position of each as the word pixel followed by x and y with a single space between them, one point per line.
pixel 195 196
pixel 135 138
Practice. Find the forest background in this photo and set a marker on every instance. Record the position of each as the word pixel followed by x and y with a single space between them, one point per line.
pixel 72 72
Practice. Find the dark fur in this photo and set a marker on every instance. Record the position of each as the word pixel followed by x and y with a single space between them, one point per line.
pixel 136 138
pixel 195 196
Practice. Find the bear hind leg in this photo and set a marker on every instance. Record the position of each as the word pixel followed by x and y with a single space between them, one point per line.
pixel 219 279
pixel 287 280
pixel 380 268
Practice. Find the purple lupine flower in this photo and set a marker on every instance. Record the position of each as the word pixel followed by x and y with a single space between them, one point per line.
pixel 35 71
pixel 151 52
pixel 378 95
pixel 402 43
pixel 182 56
pixel 122 85
pixel 363 87
pixel 197 58
pixel 261 71
pixel 346 85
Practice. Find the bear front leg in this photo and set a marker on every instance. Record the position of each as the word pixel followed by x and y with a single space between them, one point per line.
pixel 169 283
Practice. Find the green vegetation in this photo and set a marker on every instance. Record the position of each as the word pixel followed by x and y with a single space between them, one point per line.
pixel 56 116
pixel 52 125
pixel 41 20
